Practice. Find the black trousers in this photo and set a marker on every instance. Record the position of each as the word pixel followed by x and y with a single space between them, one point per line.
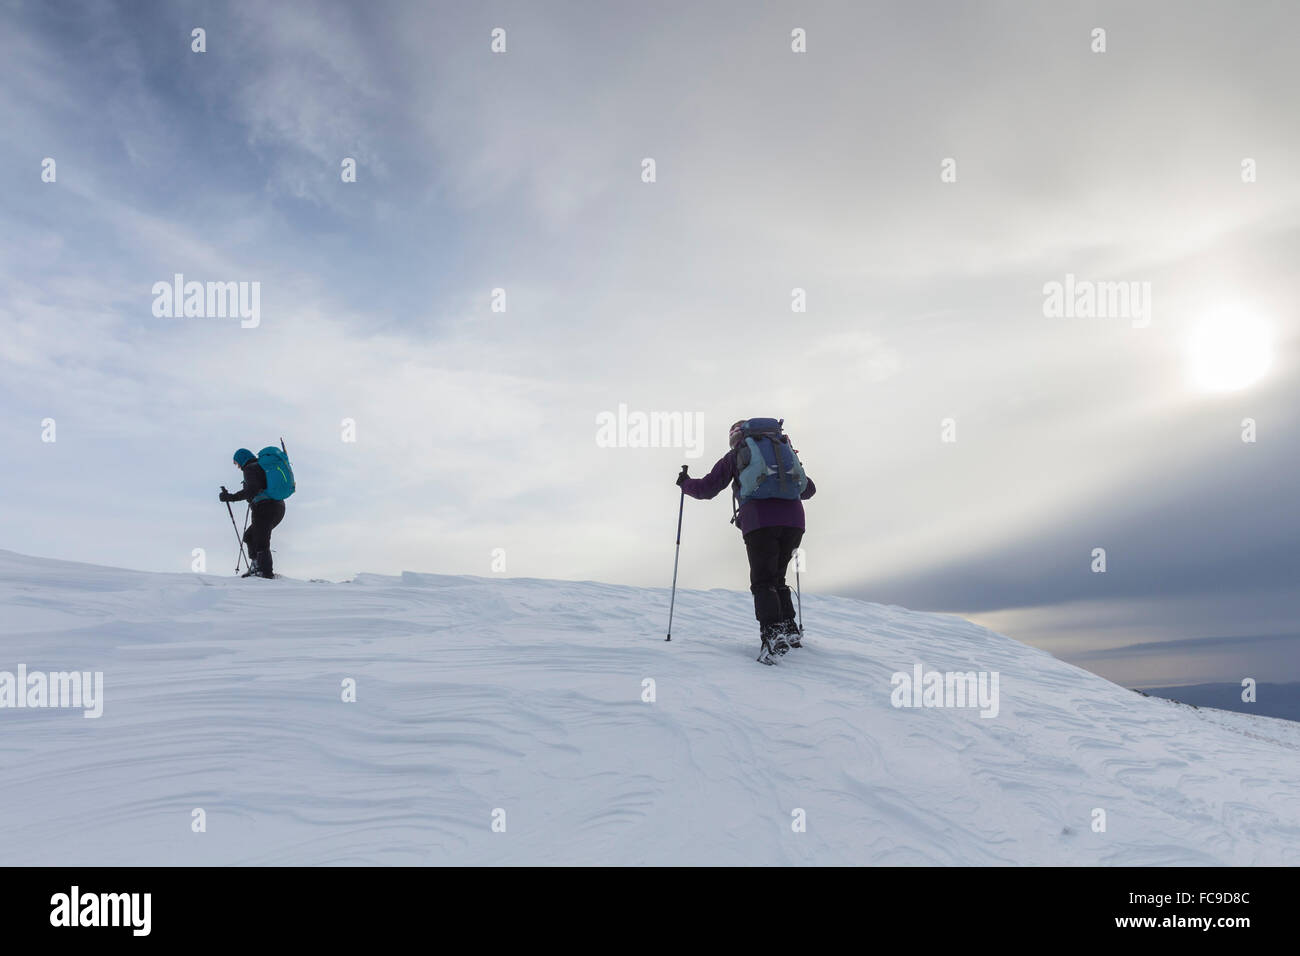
pixel 769 551
pixel 266 515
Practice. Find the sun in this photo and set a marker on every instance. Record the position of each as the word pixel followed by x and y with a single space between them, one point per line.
pixel 1229 350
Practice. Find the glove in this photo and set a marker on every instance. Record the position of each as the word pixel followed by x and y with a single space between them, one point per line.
pixel 682 477
pixel 225 495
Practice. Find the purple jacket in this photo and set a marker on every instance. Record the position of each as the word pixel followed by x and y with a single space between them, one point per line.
pixel 757 512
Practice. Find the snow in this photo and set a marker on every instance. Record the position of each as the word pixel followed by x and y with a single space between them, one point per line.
pixel 476 695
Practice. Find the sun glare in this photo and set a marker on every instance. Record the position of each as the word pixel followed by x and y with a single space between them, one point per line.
pixel 1230 350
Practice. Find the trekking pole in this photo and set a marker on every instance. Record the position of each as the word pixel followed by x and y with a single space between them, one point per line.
pixel 231 512
pixel 798 594
pixel 681 505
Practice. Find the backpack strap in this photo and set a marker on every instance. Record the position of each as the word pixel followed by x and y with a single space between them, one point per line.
pixel 736 467
pixel 780 468
pixel 735 484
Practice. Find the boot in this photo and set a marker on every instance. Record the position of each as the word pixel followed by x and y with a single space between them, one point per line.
pixel 252 570
pixel 263 564
pixel 792 633
pixel 773 638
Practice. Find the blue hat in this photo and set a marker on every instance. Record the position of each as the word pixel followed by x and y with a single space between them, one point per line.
pixel 243 457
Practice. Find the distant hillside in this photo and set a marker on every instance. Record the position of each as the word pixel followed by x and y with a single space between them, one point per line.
pixel 1272 700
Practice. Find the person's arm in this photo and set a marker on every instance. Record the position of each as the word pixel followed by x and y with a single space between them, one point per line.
pixel 809 490
pixel 254 482
pixel 712 483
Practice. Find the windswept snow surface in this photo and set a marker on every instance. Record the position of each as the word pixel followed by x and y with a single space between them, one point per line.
pixel 478 694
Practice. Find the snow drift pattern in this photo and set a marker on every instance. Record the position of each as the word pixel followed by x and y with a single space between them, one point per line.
pixel 476 694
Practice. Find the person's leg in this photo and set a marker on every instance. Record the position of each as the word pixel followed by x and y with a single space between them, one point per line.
pixel 789 542
pixel 266 515
pixel 274 515
pixel 270 516
pixel 254 536
pixel 763 547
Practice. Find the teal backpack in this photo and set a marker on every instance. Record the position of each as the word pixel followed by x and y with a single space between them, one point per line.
pixel 279 474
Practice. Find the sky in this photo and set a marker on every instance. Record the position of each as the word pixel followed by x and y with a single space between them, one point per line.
pixel 923 172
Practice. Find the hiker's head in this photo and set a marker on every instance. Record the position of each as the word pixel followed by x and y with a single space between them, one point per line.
pixel 734 436
pixel 243 457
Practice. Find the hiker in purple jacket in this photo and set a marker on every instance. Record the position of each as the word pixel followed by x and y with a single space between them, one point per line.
pixel 772 527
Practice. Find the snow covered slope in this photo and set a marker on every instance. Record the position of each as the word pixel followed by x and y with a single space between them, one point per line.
pixel 475 695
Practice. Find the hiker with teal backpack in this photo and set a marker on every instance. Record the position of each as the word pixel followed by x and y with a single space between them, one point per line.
pixel 768 488
pixel 268 480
